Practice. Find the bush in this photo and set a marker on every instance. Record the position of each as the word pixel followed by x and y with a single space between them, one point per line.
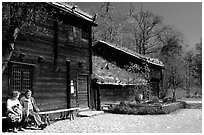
pixel 124 103
pixel 121 109
pixel 155 99
pixel 168 100
pixel 138 97
pixel 143 109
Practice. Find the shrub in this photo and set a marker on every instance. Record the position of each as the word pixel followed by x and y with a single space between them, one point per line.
pixel 143 109
pixel 121 109
pixel 167 100
pixel 133 104
pixel 138 97
pixel 155 99
pixel 124 103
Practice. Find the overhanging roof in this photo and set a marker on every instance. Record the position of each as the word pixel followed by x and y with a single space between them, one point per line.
pixel 153 61
pixel 77 12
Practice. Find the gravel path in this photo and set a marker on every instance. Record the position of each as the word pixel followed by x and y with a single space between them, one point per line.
pixel 181 121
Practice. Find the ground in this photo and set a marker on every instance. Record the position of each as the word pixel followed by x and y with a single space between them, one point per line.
pixel 181 121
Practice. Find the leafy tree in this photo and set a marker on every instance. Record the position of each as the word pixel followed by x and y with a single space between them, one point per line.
pixel 171 56
pixel 142 71
pixel 190 71
pixel 198 60
pixel 193 69
pixel 18 17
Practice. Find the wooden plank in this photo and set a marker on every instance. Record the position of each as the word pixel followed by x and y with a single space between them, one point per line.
pixel 73 51
pixel 40 38
pixel 51 83
pixel 59 96
pixel 53 91
pixel 42 44
pixel 82 90
pixel 44 101
pixel 58 111
pixel 53 106
pixel 30 51
pixel 49 79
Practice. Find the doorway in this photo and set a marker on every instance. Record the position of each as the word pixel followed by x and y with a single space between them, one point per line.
pixel 83 91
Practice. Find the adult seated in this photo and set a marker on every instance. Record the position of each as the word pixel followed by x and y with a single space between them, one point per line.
pixel 14 112
pixel 31 110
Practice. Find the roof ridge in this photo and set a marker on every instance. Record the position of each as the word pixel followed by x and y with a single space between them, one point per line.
pixel 77 9
pixel 155 61
pixel 78 12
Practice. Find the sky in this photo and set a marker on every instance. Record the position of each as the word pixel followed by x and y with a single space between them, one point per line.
pixel 185 16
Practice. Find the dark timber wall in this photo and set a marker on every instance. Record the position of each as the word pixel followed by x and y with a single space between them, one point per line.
pixel 59 53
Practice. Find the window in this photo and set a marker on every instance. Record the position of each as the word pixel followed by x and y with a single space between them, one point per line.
pixel 20 76
pixel 85 36
pixel 74 35
pixel 71 34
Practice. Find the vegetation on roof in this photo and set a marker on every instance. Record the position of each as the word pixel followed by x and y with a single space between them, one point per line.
pixel 105 72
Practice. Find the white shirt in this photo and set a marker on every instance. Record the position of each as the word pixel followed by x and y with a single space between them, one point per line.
pixel 11 103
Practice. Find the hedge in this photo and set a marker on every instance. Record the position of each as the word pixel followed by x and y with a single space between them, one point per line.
pixel 144 109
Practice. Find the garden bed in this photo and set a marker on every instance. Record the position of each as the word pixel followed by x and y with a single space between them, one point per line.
pixel 144 108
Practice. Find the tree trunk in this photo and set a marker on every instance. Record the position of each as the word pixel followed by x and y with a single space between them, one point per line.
pixel 188 91
pixel 174 94
pixel 174 91
pixel 10 49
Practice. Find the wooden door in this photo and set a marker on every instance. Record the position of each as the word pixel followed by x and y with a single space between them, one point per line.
pixel 155 88
pixel 82 91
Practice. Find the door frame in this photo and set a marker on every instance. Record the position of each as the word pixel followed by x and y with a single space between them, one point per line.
pixel 88 88
pixel 68 89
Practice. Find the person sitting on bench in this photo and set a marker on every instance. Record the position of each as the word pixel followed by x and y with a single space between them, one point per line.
pixel 14 111
pixel 31 110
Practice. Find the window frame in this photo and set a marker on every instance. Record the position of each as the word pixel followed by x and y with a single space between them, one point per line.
pixel 22 66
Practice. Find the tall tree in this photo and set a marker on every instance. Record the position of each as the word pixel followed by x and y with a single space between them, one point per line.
pixel 171 56
pixel 190 72
pixel 137 30
pixel 198 59
pixel 145 28
pixel 109 23
pixel 18 17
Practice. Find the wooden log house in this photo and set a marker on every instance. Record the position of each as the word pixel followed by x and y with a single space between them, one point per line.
pixel 112 82
pixel 54 61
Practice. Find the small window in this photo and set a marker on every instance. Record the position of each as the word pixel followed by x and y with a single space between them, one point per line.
pixel 74 35
pixel 85 36
pixel 71 34
pixel 21 77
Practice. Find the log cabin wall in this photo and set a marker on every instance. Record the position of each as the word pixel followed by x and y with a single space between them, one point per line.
pixel 116 94
pixel 48 47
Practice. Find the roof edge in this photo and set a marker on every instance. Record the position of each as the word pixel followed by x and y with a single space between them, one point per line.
pixel 139 56
pixel 76 11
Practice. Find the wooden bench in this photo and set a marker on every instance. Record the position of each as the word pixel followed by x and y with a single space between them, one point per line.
pixel 65 113
pixel 4 117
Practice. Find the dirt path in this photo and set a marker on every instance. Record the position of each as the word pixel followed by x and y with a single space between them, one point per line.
pixel 181 121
